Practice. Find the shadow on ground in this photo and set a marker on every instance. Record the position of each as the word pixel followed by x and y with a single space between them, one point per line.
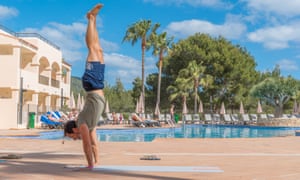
pixel 31 164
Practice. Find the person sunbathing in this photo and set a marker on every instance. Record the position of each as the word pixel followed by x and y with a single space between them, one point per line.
pixel 53 118
pixel 138 121
pixel 73 115
pixel 145 122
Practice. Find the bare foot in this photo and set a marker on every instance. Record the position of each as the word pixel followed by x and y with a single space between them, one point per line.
pixel 94 11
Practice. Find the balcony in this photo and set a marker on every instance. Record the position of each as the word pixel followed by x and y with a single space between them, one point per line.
pixel 55 83
pixel 43 80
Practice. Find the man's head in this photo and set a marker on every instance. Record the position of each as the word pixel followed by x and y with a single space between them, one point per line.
pixel 71 130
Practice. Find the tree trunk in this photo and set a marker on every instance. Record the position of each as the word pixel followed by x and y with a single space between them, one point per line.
pixel 278 110
pixel 159 80
pixel 195 98
pixel 143 72
pixel 195 101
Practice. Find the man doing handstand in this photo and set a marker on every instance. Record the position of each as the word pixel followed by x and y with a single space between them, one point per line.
pixel 93 83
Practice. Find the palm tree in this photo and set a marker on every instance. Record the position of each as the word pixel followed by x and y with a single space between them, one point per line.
pixel 194 73
pixel 160 44
pixel 136 31
pixel 181 89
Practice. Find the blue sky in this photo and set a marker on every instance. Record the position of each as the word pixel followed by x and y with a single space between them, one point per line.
pixel 268 29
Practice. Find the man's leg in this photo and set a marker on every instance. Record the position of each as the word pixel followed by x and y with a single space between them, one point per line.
pixel 92 40
pixel 95 146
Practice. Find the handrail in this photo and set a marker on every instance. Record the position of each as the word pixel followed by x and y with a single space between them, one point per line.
pixel 7 30
pixel 20 35
pixel 39 37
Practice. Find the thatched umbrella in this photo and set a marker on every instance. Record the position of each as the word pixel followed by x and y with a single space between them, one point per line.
pixel 72 104
pixel 82 102
pixel 242 111
pixel 107 110
pixel 79 102
pixel 222 111
pixel 259 108
pixel 184 108
pixel 200 107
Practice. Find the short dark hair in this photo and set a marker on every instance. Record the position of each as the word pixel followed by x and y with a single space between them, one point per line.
pixel 69 127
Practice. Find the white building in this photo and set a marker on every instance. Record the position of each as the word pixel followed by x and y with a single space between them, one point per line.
pixel 34 78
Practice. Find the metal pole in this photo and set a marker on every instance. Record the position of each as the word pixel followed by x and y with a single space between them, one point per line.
pixel 210 101
pixel 61 98
pixel 211 111
pixel 20 101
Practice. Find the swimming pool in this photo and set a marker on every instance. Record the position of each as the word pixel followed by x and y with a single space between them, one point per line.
pixel 186 131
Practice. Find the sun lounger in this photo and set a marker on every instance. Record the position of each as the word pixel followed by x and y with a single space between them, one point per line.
pixel 151 123
pixel 109 118
pixel 169 120
pixel 293 116
pixel 139 122
pixel 263 117
pixel 149 116
pixel 246 118
pixel 227 119
pixel 196 118
pixel 270 116
pixel 208 118
pixel 162 118
pixel 47 123
pixel 101 121
pixel 216 118
pixel 286 116
pixel 235 118
pixel 187 118
pixel 253 118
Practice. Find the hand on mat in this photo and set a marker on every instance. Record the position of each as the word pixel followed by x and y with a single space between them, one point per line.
pixel 82 169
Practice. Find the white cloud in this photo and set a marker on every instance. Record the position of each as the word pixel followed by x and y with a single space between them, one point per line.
pixel 279 7
pixel 126 68
pixel 7 12
pixel 194 3
pixel 231 29
pixel 276 25
pixel 287 65
pixel 109 46
pixel 70 38
pixel 277 37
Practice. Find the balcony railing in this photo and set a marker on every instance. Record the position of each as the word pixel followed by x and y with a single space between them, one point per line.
pixel 30 35
pixel 54 83
pixel 43 80
pixel 36 35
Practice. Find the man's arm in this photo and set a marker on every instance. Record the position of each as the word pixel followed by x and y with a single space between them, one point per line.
pixel 86 142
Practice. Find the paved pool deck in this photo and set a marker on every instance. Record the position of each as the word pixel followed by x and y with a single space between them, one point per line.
pixel 229 159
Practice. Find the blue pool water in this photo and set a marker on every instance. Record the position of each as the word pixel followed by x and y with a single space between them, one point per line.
pixel 187 131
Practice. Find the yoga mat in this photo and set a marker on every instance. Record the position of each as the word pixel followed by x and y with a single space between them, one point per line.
pixel 199 169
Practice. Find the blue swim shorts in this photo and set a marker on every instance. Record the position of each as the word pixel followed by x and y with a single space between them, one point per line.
pixel 93 77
